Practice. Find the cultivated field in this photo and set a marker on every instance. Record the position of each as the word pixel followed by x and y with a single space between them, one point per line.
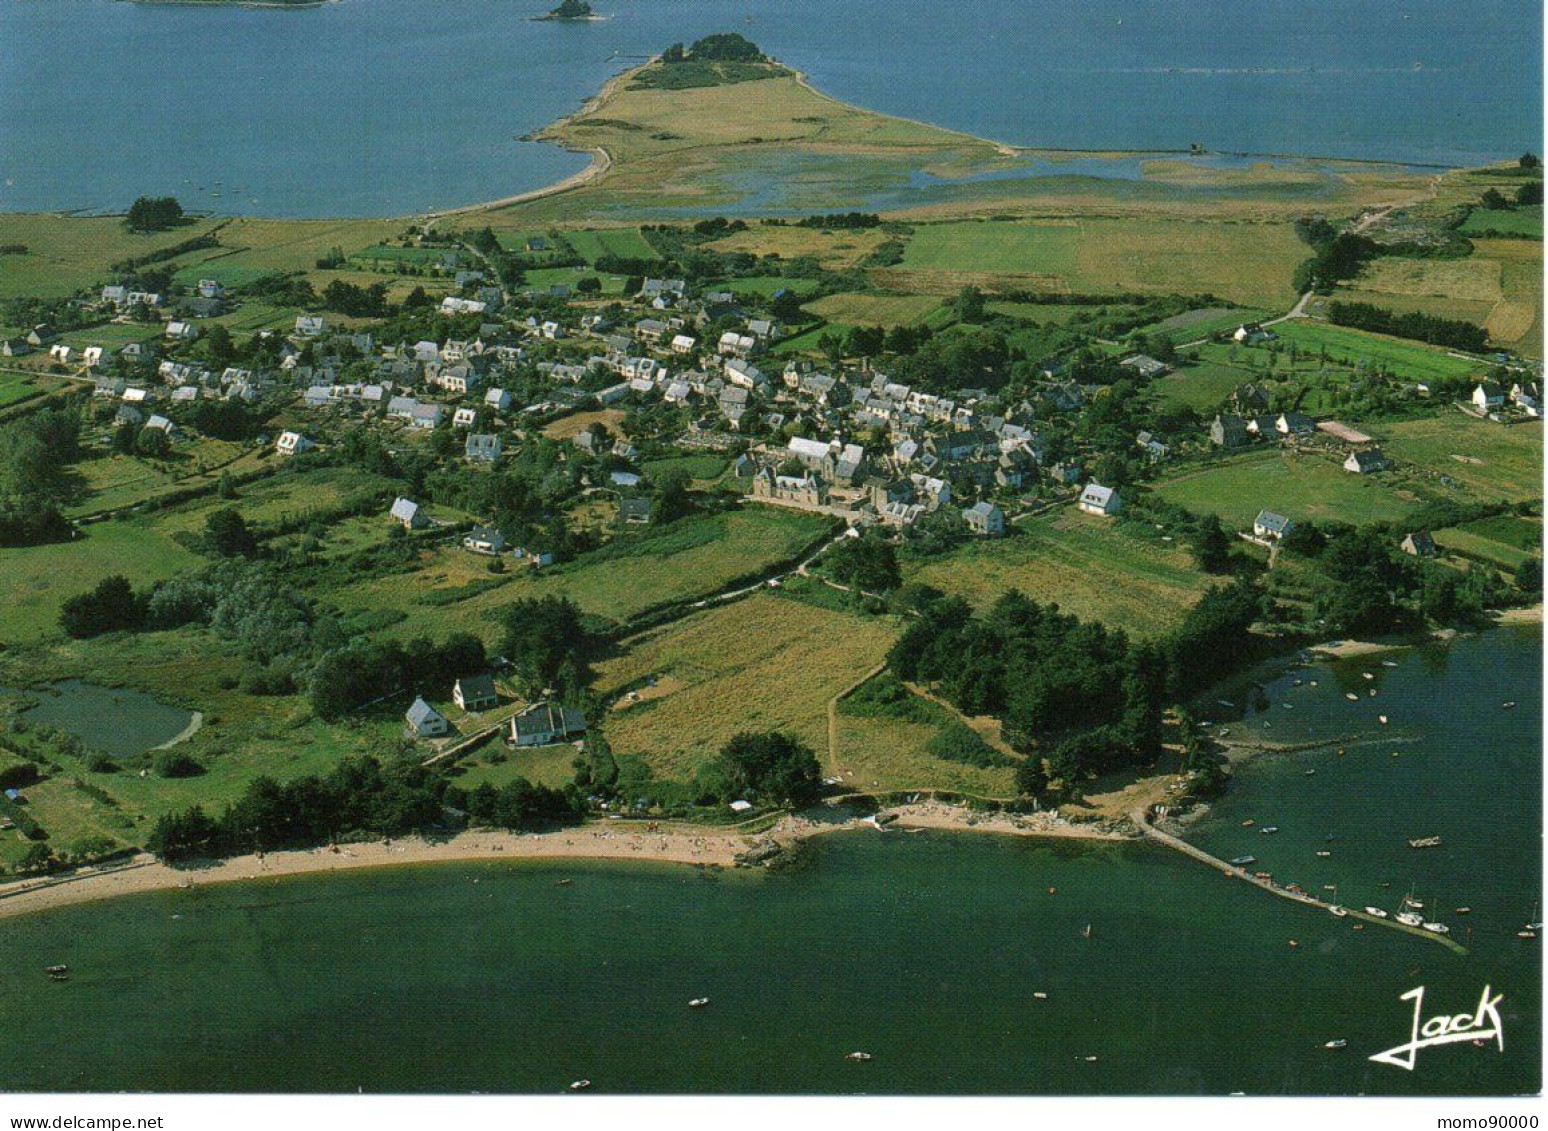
pixel 765 663
pixel 1508 541
pixel 40 578
pixel 1203 385
pixel 1412 360
pixel 1492 461
pixel 835 249
pixel 1089 566
pixel 1299 486
pixel 1244 263
pixel 686 559
pixel 882 754
pixel 67 253
pixel 876 310
pixel 593 243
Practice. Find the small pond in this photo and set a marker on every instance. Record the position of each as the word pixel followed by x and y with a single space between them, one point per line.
pixel 114 720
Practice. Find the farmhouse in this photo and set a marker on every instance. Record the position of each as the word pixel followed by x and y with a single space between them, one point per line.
pixel 1367 461
pixel 408 514
pixel 1270 525
pixel 482 447
pixel 424 721
pixel 985 519
pixel 545 723
pixel 292 444
pixel 1228 431
pixel 1294 424
pixel 1420 544
pixel 484 540
pixel 310 325
pixel 1145 366
pixel 1488 396
pixel 475 692
pixel 1097 499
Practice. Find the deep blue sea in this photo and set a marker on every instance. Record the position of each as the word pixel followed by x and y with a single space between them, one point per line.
pixel 386 107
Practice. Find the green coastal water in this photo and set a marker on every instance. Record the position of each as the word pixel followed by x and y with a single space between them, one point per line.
pixel 923 949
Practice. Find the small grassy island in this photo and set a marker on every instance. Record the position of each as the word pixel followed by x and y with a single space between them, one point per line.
pixel 571 11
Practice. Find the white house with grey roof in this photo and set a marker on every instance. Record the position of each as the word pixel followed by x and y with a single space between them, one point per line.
pixel 424 721
pixel 544 724
pixel 1099 500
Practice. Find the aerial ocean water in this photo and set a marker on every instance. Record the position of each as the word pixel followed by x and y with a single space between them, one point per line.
pixel 927 950
pixel 392 107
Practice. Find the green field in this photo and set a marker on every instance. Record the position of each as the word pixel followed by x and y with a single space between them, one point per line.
pixel 16 387
pixel 1093 567
pixel 1505 540
pixel 542 278
pixel 227 274
pixel 1247 263
pixel 68 253
pixel 1524 220
pixel 995 247
pixel 686 559
pixel 764 663
pixel 1412 360
pixel 878 310
pixel 112 482
pixel 39 578
pixel 1202 386
pixel 703 466
pixel 1192 325
pixel 1300 487
pixel 1491 461
pixel 593 243
pixel 884 754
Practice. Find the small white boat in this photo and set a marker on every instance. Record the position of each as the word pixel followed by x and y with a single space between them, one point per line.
pixel 1225 702
pixel 1368 675
pixel 1436 928
pixel 1409 919
pixel 1337 911
pixel 1464 910
pixel 1389 663
pixel 1507 705
pixel 1311 773
pixel 1323 852
pixel 580 1085
pixel 698 1003
pixel 1268 830
pixel 1371 692
pixel 1382 719
pixel 1526 934
pixel 857 1056
pixel 1040 995
pixel 1425 842
pixel 1337 1043
pixel 1376 912
pixel 1090 1060
pixel 1351 696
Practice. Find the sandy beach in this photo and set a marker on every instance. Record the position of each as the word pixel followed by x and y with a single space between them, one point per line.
pixel 597 841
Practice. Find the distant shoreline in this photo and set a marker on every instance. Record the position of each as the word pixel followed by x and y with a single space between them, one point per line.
pixel 240 3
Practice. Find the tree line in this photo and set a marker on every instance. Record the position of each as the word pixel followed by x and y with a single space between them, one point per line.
pixel 1452 332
